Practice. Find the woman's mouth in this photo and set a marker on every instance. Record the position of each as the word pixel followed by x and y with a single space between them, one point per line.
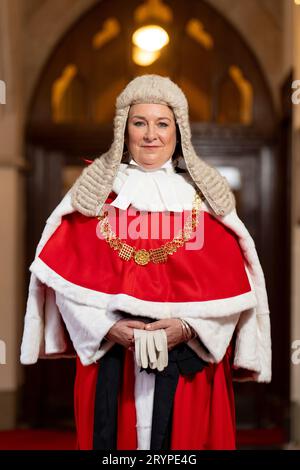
pixel 150 146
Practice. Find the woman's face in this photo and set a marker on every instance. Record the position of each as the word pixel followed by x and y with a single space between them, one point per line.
pixel 151 134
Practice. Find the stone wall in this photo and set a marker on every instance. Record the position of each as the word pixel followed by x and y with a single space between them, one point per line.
pixel 11 209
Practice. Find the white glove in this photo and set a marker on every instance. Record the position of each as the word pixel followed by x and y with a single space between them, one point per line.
pixel 151 349
pixel 140 347
pixel 161 344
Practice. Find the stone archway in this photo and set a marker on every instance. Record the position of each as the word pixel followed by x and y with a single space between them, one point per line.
pixel 47 21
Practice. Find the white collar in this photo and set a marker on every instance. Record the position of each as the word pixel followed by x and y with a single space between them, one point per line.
pixel 157 190
pixel 168 166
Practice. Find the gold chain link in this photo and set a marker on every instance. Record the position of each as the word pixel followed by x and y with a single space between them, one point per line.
pixel 157 255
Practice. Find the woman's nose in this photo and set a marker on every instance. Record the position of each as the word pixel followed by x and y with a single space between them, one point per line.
pixel 150 133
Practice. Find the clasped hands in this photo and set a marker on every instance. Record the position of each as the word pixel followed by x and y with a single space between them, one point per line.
pixel 151 341
pixel 151 348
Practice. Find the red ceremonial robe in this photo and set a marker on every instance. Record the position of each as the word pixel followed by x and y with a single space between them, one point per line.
pixel 215 271
pixel 203 409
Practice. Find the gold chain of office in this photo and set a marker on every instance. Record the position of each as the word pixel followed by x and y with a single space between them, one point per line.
pixel 156 255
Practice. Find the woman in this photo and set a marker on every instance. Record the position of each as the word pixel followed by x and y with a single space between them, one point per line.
pixel 160 323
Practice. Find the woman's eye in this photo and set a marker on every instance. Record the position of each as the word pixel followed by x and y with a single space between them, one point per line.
pixel 141 123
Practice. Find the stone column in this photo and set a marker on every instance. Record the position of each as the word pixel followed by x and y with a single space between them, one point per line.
pixel 11 209
pixel 295 320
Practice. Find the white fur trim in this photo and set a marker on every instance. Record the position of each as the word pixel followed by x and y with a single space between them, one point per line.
pixel 87 327
pixel 253 348
pixel 134 306
pixel 55 340
pixel 215 334
pixel 33 334
pixel 144 397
